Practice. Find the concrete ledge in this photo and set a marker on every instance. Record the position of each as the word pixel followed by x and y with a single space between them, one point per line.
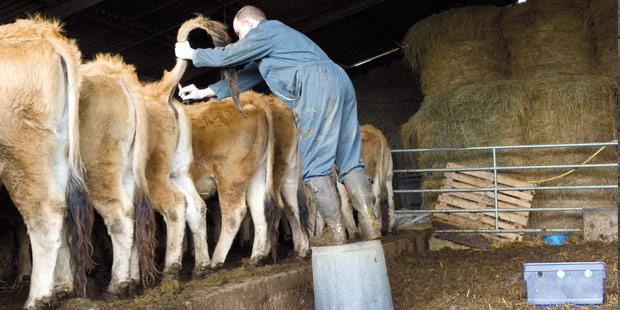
pixel 291 289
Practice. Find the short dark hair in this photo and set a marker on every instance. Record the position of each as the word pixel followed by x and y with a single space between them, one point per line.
pixel 250 12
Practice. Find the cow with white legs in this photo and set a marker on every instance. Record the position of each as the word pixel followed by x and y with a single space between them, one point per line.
pixel 114 149
pixel 377 158
pixel 288 187
pixel 233 156
pixel 40 162
pixel 170 157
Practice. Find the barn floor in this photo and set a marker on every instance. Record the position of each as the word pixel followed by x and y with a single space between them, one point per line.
pixel 488 279
pixel 445 279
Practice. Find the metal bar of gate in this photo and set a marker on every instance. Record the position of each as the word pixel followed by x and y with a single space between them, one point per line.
pixel 495 204
pixel 502 168
pixel 488 210
pixel 505 189
pixel 523 230
pixel 505 147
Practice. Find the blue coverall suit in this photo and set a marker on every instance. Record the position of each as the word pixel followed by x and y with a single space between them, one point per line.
pixel 300 74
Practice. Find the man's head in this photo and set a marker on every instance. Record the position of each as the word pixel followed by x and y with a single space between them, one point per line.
pixel 247 18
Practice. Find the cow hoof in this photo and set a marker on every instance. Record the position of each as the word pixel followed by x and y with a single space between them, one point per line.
pixel 21 283
pixel 172 272
pixel 123 289
pixel 43 303
pixel 252 263
pixel 218 266
pixel 200 271
pixel 134 288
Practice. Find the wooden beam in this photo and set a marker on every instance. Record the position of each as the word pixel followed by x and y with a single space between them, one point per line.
pixel 349 9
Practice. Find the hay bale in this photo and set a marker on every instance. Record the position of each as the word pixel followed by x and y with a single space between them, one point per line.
pixel 546 38
pixel 455 48
pixel 602 18
pixel 473 115
pixel 570 110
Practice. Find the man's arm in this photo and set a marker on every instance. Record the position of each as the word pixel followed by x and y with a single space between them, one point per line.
pixel 256 45
pixel 247 78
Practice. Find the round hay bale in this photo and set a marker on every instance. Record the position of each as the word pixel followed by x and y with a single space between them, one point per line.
pixel 547 38
pixel 474 115
pixel 571 110
pixel 455 48
pixel 602 17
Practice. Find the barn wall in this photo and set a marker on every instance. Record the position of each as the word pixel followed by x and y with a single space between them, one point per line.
pixel 387 96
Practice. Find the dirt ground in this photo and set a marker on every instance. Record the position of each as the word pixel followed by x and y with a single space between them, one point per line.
pixel 488 279
pixel 446 279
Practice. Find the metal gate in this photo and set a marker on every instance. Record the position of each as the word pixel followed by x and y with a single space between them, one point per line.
pixel 495 189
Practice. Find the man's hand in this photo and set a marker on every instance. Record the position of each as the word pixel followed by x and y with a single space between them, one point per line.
pixel 183 50
pixel 194 93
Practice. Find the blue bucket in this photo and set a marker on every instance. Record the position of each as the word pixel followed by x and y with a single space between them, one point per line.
pixel 555 239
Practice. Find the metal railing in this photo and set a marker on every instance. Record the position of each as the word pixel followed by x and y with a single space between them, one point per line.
pixel 496 189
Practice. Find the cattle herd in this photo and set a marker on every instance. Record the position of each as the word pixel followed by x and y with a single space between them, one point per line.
pixel 78 138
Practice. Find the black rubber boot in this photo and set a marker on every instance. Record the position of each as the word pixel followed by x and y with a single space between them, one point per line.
pixel 360 192
pixel 327 202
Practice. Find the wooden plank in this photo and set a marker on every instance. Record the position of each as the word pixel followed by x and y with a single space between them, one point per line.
pixel 464 204
pixel 489 176
pixel 457 223
pixel 506 220
pixel 469 224
pixel 476 182
pixel 509 202
pixel 473 240
pixel 485 183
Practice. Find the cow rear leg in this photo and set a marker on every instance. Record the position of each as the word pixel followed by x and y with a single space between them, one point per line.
pixel 391 207
pixel 45 235
pixel 175 232
pixel 257 196
pixel 24 260
pixel 347 212
pixel 118 219
pixel 196 217
pixel 63 275
pixel 232 211
pixel 291 209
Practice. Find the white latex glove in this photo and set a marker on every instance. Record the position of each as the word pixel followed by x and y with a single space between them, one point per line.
pixel 183 50
pixel 194 93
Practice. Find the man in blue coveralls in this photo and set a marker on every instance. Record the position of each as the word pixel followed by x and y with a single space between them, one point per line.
pixel 322 95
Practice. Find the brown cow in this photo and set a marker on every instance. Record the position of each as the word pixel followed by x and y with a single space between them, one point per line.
pixel 286 168
pixel 289 189
pixel 114 148
pixel 40 162
pixel 171 187
pixel 113 145
pixel 233 155
pixel 377 158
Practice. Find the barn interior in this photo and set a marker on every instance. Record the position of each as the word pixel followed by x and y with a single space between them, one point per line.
pixel 428 74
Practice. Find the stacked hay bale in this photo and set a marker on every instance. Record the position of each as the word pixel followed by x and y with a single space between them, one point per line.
pixel 547 38
pixel 546 87
pixel 447 55
pixel 602 19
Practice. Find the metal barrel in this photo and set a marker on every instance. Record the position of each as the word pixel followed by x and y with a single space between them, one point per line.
pixel 351 276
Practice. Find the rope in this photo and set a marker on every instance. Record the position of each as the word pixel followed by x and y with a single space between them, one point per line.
pixel 570 171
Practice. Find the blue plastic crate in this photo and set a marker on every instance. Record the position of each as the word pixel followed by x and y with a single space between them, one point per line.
pixel 578 283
